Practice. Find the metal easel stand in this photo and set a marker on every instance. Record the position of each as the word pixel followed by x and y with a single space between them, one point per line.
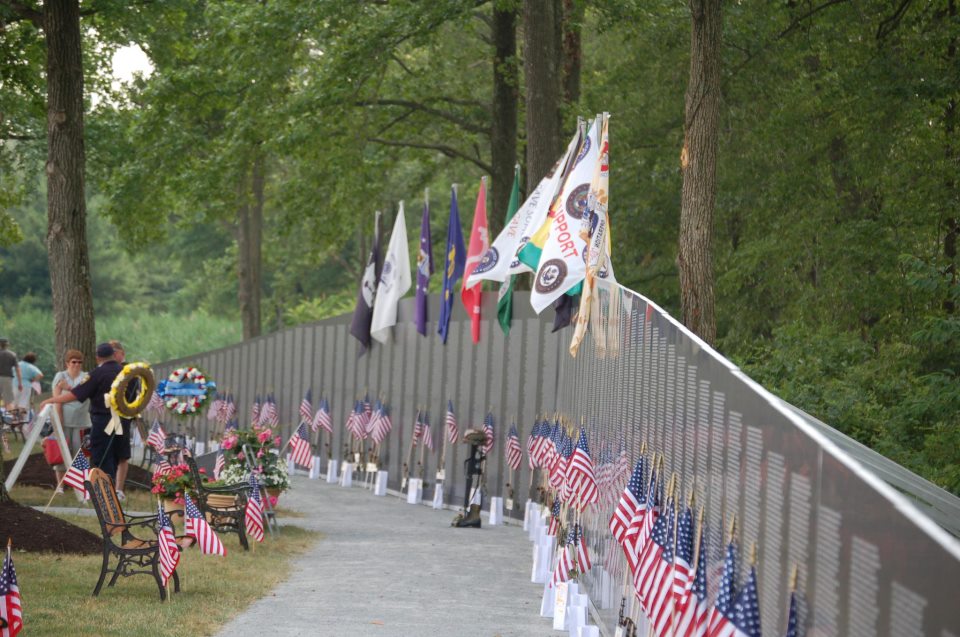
pixel 268 511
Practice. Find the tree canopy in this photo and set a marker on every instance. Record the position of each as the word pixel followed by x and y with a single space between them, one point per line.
pixel 837 206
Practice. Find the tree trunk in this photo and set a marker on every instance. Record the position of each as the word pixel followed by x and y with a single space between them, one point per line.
pixel 66 208
pixel 249 239
pixel 698 163
pixel 503 132
pixel 572 49
pixel 951 222
pixel 540 58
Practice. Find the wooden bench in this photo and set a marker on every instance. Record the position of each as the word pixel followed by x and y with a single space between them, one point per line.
pixel 224 507
pixel 136 556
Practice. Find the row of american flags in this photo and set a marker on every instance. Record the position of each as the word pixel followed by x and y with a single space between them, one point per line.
pixel 661 545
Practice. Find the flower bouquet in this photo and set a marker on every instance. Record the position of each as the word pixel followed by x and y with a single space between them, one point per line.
pixel 263 444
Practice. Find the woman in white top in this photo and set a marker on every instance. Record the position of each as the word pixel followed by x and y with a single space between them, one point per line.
pixel 74 416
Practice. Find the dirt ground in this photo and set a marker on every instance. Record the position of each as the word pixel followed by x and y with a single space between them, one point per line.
pixel 33 531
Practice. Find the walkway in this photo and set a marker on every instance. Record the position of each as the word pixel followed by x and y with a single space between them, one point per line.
pixel 391 569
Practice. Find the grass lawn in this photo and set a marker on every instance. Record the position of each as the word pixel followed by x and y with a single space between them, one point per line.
pixel 57 589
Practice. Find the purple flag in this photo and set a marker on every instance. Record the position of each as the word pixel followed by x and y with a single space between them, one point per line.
pixel 424 269
pixel 363 312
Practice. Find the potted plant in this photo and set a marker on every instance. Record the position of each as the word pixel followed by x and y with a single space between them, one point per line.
pixel 263 446
pixel 170 486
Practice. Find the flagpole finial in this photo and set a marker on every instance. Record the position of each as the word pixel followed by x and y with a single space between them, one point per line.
pixel 753 554
pixel 793 577
pixel 733 526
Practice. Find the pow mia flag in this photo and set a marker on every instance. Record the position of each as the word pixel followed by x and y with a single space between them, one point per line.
pixel 363 312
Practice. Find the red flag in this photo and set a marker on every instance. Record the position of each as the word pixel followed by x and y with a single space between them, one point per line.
pixel 479 244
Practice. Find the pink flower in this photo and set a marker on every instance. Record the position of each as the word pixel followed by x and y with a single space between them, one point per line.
pixel 260 453
pixel 240 456
pixel 273 501
pixel 276 441
pixel 264 436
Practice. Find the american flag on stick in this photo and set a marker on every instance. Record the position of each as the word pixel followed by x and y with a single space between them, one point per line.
pixel 425 433
pixel 78 472
pixel 306 407
pixel 694 610
pixel 167 545
pixel 451 423
pixel 229 410
pixel 253 516
pixel 322 419
pixel 746 610
pixel 554 518
pixel 488 433
pixel 632 500
pixel 213 411
pixel 11 608
pixel 269 414
pixel 157 437
pixel 382 423
pixel 583 554
pixel 721 616
pixel 255 412
pixel 580 477
pixel 513 451
pixel 163 468
pixel 219 465
pixel 564 566
pixel 196 526
pixel 300 447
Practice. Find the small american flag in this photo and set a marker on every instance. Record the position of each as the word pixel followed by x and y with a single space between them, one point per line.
pixel 11 610
pixel 157 437
pixel 554 518
pixel 513 451
pixel 488 433
pixel 78 472
pixel 564 566
pixel 746 610
pixel 253 516
pixel 721 617
pixel 255 412
pixel 213 411
pixel 306 408
pixel 232 425
pixel 425 433
pixel 196 526
pixel 167 544
pixel 580 477
pixel 653 563
pixel 163 468
pixel 631 500
pixel 692 620
pixel 269 414
pixel 683 558
pixel 382 423
pixel 417 430
pixel 451 422
pixel 156 404
pixel 532 444
pixel 218 466
pixel 793 620
pixel 229 410
pixel 367 409
pixel 322 418
pixel 300 447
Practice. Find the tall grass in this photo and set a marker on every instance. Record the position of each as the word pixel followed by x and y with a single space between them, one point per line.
pixel 147 337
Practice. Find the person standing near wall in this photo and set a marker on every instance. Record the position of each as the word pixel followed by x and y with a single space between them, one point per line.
pixel 8 369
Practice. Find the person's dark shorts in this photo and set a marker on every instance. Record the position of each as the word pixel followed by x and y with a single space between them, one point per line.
pixel 121 444
pixel 102 454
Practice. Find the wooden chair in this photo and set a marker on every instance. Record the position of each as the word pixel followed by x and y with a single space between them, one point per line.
pixel 224 507
pixel 136 556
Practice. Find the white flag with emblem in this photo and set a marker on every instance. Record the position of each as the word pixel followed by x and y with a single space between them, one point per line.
pixel 534 219
pixel 394 281
pixel 500 260
pixel 562 263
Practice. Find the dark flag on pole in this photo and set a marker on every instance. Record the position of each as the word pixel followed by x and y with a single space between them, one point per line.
pixel 456 257
pixel 363 312
pixel 424 268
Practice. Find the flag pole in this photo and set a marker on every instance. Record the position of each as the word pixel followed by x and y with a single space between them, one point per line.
pixel 406 465
pixel 423 449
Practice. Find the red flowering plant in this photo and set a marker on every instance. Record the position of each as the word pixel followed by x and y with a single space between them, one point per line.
pixel 263 445
pixel 172 484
